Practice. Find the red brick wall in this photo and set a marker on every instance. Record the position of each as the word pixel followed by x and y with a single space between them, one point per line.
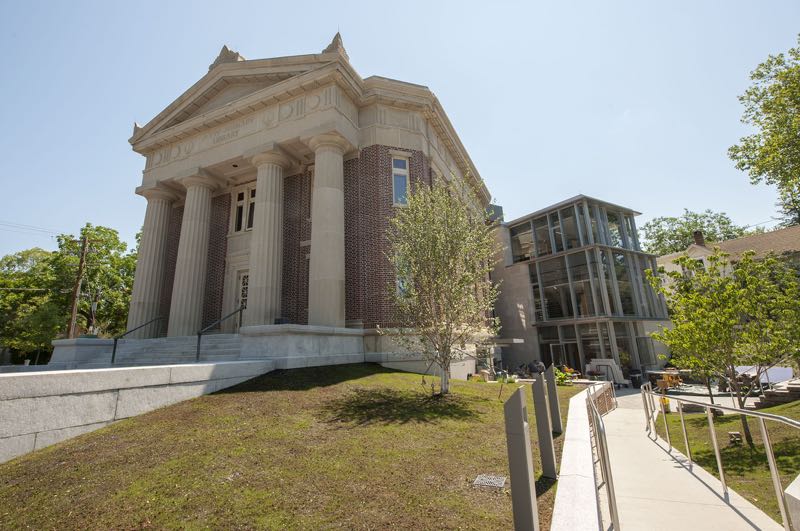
pixel 296 229
pixel 368 209
pixel 217 252
pixel 173 236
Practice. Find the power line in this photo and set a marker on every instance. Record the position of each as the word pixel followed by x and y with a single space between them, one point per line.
pixel 28 227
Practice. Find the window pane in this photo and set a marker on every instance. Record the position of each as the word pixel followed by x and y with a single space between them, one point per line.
pixel 557 298
pixel 400 189
pixel 239 214
pixel 593 217
pixel 543 247
pixel 579 270
pixel 559 243
pixel 595 272
pixel 240 196
pixel 250 211
pixel 625 284
pixel 582 224
pixel 609 282
pixel 590 342
pixel 521 242
pixel 570 227
pixel 252 193
pixel 614 230
pixel 400 164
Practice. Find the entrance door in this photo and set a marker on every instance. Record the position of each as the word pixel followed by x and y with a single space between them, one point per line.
pixel 242 282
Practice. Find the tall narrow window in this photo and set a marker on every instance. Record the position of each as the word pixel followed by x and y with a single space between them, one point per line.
pixel 399 181
pixel 239 211
pixel 251 208
pixel 244 208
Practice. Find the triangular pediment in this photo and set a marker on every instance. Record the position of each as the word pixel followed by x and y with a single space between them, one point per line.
pixel 224 92
pixel 226 84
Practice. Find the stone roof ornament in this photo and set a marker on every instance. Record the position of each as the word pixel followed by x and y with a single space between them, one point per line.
pixel 136 128
pixel 337 46
pixel 226 55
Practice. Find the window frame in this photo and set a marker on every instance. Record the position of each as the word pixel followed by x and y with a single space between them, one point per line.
pixel 248 207
pixel 401 173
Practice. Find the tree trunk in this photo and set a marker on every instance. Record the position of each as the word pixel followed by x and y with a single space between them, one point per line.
pixel 710 393
pixel 445 384
pixel 745 426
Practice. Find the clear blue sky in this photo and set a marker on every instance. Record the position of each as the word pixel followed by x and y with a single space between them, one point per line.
pixel 634 102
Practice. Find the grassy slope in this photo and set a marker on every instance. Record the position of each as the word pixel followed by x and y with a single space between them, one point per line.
pixel 353 446
pixel 746 470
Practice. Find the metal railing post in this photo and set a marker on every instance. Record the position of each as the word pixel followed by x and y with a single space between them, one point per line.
pixel 646 412
pixel 114 351
pixel 776 478
pixel 714 442
pixel 685 436
pixel 661 400
pixel 197 351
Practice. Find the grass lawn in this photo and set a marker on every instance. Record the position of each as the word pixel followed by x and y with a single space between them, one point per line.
pixel 746 469
pixel 354 446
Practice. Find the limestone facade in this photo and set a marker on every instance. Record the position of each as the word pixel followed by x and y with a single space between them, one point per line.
pixel 271 183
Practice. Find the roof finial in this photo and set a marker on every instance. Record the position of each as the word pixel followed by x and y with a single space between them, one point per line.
pixel 226 55
pixel 336 46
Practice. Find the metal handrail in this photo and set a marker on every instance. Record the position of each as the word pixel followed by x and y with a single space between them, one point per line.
pixel 601 444
pixel 200 333
pixel 650 412
pixel 114 350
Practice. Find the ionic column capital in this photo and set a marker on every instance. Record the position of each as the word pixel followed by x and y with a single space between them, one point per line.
pixel 330 140
pixel 274 156
pixel 156 192
pixel 199 178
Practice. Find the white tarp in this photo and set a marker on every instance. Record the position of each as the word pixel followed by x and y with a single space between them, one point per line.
pixel 771 375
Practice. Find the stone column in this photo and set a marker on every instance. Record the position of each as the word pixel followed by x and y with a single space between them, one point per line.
pixel 326 295
pixel 188 289
pixel 149 280
pixel 266 241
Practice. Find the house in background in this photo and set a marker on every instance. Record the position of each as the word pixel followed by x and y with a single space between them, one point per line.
pixel 785 243
pixel 573 287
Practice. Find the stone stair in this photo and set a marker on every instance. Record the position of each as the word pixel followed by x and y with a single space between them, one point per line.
pixel 782 393
pixel 213 347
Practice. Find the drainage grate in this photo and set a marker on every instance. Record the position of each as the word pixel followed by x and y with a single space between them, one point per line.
pixel 487 480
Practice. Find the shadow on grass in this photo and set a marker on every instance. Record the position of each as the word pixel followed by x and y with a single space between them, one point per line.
pixel 366 406
pixel 307 378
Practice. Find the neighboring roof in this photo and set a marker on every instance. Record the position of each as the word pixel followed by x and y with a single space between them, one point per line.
pixel 569 201
pixel 778 241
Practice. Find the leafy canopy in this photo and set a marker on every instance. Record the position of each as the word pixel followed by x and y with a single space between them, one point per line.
pixel 670 234
pixel 772 153
pixel 442 250
pixel 36 287
pixel 727 315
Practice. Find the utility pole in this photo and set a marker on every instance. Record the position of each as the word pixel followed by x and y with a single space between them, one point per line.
pixel 77 289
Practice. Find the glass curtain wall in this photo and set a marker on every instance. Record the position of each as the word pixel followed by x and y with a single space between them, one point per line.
pixel 555 286
pixel 542 236
pixel 521 242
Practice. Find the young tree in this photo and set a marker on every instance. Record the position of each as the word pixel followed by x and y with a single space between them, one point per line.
pixel 727 315
pixel 442 250
pixel 669 234
pixel 772 153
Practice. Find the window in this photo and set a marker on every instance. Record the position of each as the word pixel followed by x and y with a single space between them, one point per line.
pixel 244 210
pixel 399 181
pixel 555 223
pixel 401 284
pixel 543 247
pixel 521 242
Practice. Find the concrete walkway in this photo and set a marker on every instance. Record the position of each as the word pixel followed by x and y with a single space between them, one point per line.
pixel 655 488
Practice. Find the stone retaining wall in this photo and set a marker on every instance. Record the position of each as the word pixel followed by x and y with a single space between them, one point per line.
pixel 41 408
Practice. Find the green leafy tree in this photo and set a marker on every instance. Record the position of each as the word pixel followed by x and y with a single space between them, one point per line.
pixel 36 287
pixel 28 318
pixel 669 234
pixel 107 280
pixel 772 107
pixel 727 315
pixel 442 250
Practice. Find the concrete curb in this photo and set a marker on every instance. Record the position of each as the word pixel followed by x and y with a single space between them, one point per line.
pixel 577 505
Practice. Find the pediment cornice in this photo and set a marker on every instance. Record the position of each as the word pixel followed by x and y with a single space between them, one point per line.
pixel 294 76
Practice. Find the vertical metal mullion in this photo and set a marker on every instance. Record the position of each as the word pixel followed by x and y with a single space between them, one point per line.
pixel 614 282
pixel 630 329
pixel 595 302
pixel 636 244
pixel 571 287
pixel 603 284
pixel 588 223
pixel 581 239
pixel 623 230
